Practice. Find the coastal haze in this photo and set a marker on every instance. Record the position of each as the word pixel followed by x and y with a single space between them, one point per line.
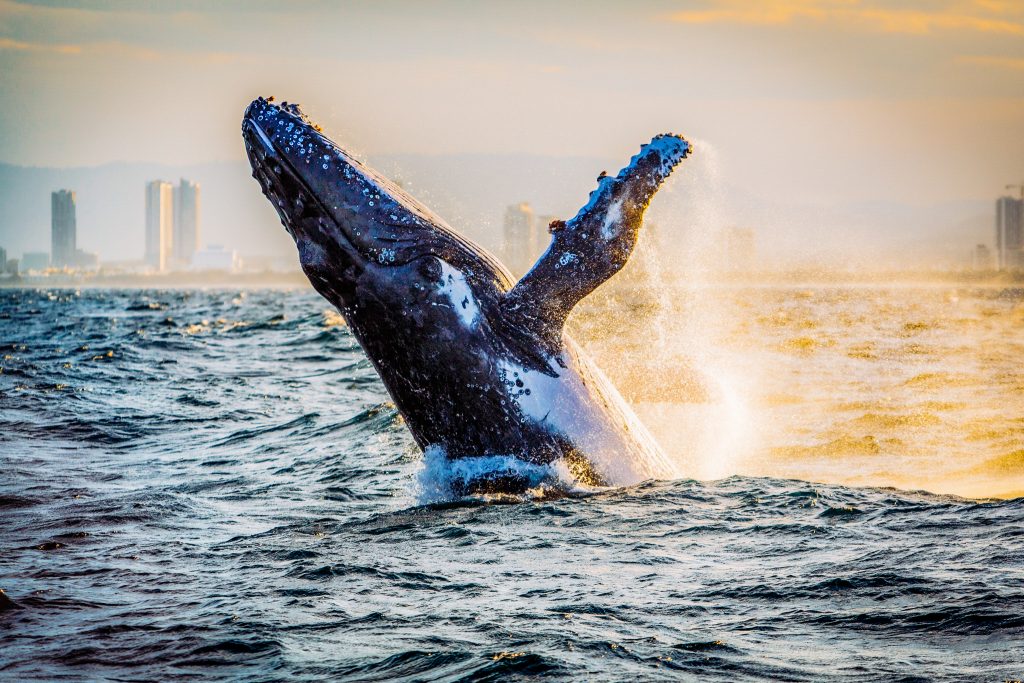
pixel 844 134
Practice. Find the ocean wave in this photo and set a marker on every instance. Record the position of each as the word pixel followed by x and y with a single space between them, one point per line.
pixel 244 503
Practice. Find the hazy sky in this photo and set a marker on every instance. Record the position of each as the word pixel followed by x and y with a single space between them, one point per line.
pixel 827 100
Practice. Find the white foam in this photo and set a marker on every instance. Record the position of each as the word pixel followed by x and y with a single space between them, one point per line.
pixel 436 482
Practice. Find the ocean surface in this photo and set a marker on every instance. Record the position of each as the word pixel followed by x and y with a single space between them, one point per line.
pixel 214 485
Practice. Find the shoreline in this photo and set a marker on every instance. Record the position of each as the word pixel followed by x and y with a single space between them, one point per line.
pixel 296 279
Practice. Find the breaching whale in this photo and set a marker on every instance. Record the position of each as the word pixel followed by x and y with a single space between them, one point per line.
pixel 477 364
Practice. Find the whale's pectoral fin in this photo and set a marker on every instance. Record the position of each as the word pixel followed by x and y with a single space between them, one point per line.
pixel 596 243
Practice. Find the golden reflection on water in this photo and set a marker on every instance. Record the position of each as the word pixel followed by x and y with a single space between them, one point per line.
pixel 915 386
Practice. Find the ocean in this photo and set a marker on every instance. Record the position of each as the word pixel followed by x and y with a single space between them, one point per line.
pixel 213 484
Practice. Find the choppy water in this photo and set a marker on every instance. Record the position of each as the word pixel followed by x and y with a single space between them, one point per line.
pixel 212 484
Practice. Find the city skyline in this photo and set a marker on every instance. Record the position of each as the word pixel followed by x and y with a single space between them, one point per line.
pixel 851 132
pixel 870 100
pixel 523 237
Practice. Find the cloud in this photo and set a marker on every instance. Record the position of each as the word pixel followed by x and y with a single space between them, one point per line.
pixel 990 61
pixel 120 50
pixel 984 16
pixel 22 46
pixel 768 12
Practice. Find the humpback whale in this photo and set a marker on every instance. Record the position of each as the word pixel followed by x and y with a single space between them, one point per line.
pixel 476 363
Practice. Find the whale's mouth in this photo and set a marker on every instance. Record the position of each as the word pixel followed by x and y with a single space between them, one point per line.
pixel 323 193
pixel 296 203
pixel 339 211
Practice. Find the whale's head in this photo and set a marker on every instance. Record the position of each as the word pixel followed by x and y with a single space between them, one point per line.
pixel 351 225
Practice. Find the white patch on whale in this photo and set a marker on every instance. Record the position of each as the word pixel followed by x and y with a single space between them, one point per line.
pixel 534 392
pixel 458 291
pixel 610 226
pixel 263 136
pixel 562 405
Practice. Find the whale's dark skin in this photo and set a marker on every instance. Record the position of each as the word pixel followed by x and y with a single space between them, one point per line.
pixel 476 363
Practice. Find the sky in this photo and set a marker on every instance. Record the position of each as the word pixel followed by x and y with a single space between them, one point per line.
pixel 818 101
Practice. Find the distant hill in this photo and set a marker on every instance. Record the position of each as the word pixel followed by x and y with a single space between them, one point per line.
pixel 472 191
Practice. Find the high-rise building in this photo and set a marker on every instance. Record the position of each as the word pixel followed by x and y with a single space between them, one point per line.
pixel 63 229
pixel 3 260
pixel 159 223
pixel 1009 233
pixel 186 222
pixel 520 244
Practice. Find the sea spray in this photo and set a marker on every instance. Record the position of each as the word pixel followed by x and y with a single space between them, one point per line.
pixel 707 432
pixel 442 479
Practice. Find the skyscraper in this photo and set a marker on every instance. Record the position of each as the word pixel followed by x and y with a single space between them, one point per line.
pixel 186 222
pixel 520 244
pixel 1009 233
pixel 159 223
pixel 63 228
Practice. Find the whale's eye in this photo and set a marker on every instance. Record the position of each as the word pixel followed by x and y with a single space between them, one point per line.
pixel 430 268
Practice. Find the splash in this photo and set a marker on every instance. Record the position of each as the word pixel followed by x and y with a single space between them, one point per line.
pixel 697 406
pixel 442 479
pixel 848 382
